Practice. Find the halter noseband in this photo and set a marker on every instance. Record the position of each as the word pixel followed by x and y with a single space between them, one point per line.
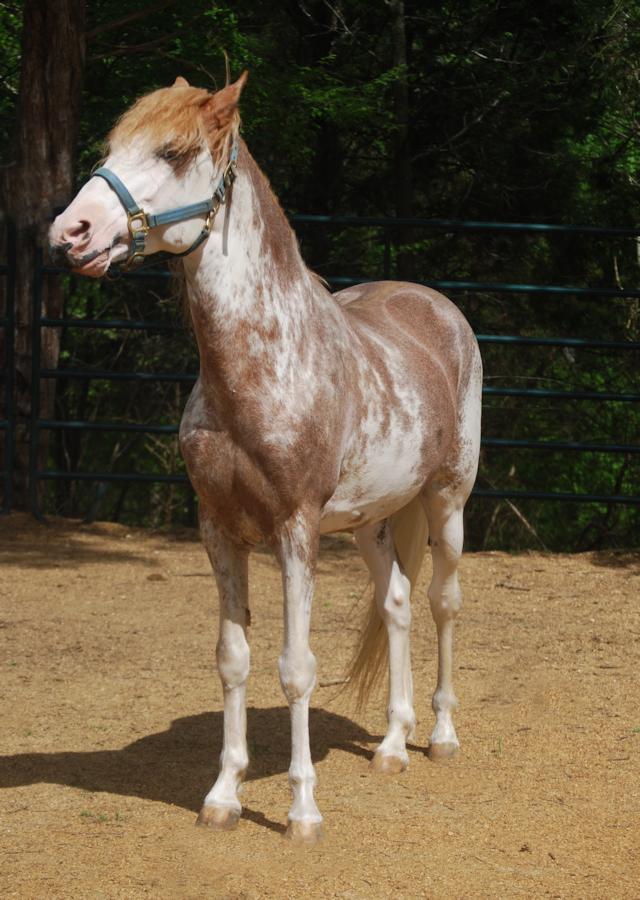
pixel 140 223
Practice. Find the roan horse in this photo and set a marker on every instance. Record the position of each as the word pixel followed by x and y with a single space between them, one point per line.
pixel 313 413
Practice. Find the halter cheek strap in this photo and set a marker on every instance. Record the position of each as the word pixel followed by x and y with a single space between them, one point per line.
pixel 140 223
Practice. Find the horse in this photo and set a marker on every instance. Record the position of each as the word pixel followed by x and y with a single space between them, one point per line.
pixel 313 413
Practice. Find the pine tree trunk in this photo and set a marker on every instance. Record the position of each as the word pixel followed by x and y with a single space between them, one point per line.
pixel 402 162
pixel 39 178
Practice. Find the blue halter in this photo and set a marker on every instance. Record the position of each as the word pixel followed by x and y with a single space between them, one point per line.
pixel 140 222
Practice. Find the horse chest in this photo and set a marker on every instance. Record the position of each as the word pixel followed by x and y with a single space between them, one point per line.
pixel 257 469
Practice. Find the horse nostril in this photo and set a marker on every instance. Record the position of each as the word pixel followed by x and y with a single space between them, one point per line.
pixel 80 232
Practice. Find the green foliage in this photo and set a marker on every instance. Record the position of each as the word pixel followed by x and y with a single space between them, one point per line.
pixel 10 30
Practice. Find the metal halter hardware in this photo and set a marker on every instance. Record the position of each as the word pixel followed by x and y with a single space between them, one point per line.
pixel 140 222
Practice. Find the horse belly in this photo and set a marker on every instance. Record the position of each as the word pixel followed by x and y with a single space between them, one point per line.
pixel 402 429
pixel 378 478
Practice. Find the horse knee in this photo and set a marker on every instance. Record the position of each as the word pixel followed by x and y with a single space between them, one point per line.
pixel 297 673
pixel 445 601
pixel 395 608
pixel 233 660
pixel 396 613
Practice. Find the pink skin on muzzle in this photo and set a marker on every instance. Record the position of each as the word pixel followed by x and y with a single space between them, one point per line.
pixel 91 234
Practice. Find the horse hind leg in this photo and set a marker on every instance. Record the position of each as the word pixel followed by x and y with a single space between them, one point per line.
pixel 221 810
pixel 393 612
pixel 444 506
pixel 444 513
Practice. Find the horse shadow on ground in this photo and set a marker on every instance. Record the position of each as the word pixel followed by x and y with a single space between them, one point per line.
pixel 178 766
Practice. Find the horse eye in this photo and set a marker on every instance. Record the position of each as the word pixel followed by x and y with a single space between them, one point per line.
pixel 168 153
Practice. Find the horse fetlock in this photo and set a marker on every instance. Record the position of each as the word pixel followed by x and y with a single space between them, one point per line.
pixel 401 718
pixel 236 762
pixel 391 756
pixel 302 781
pixel 443 743
pixel 304 810
pixel 444 703
pixel 224 793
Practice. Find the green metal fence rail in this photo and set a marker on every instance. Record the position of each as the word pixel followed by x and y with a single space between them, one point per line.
pixel 103 478
pixel 7 374
pixel 38 424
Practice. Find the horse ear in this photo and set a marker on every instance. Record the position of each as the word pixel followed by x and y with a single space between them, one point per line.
pixel 180 82
pixel 221 106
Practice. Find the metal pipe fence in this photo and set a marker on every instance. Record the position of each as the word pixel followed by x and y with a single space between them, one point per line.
pixel 103 478
pixel 38 424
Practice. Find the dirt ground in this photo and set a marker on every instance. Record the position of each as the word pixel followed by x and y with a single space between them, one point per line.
pixel 111 729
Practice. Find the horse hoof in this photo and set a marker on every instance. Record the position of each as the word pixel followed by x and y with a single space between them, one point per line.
pixel 443 751
pixel 218 819
pixel 387 765
pixel 304 834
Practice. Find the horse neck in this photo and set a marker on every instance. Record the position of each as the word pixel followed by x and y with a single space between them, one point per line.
pixel 251 281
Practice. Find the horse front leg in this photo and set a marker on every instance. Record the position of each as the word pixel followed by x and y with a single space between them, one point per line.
pixel 297 552
pixel 222 808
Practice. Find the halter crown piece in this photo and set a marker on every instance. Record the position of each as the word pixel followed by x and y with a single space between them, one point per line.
pixel 140 223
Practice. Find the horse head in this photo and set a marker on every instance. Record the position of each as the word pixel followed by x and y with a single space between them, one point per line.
pixel 156 191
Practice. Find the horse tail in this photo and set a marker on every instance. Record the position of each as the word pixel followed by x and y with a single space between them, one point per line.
pixel 410 533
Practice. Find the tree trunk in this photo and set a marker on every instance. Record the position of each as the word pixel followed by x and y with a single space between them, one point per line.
pixel 39 178
pixel 402 160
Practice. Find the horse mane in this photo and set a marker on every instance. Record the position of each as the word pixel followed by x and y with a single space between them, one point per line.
pixel 170 120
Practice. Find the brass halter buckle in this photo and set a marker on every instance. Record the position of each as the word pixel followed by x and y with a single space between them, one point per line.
pixel 139 236
pixel 229 173
pixel 144 226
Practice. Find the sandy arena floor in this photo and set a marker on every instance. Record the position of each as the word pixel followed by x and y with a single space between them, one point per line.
pixel 111 729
